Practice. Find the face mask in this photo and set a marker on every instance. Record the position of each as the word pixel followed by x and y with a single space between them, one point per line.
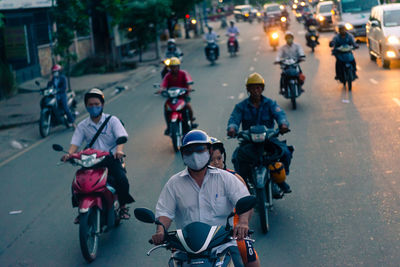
pixel 56 74
pixel 196 161
pixel 94 111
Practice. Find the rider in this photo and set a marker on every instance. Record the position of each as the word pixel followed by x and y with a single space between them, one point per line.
pixel 172 49
pixel 59 83
pixel 290 50
pixel 233 30
pixel 201 193
pixel 177 78
pixel 341 39
pixel 86 130
pixel 211 36
pixel 246 248
pixel 258 110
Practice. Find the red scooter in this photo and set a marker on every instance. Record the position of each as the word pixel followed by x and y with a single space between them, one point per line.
pixel 232 48
pixel 97 200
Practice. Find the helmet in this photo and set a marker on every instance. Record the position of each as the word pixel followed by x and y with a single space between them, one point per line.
pixel 174 61
pixel 95 92
pixel 341 26
pixel 231 22
pixel 171 41
pixel 255 78
pixel 278 172
pixel 56 67
pixel 217 144
pixel 288 33
pixel 195 137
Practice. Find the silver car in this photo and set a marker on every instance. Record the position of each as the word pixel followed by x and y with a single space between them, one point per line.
pixel 383 33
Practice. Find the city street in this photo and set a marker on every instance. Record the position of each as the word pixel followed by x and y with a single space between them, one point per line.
pixel 345 206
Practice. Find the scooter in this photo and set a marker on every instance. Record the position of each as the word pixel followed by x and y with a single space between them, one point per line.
pixel 273 37
pixel 291 76
pixel 199 244
pixel 232 44
pixel 212 51
pixel 284 24
pixel 346 70
pixel 96 199
pixel 312 37
pixel 260 183
pixel 51 114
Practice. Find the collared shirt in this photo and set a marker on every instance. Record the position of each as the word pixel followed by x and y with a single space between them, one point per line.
pixel 86 129
pixel 211 36
pixel 183 201
pixel 247 114
pixel 294 51
pixel 182 80
pixel 233 29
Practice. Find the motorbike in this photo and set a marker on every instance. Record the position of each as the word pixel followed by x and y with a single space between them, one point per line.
pixel 179 123
pixel 97 201
pixel 212 51
pixel 199 244
pixel 284 23
pixel 273 37
pixel 51 114
pixel 260 182
pixel 312 37
pixel 231 44
pixel 291 76
pixel 346 70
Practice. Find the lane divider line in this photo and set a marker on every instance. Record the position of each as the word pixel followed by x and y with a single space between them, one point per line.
pixel 373 81
pixel 397 101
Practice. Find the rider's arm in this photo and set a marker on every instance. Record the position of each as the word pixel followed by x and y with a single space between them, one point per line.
pixel 235 119
pixel 279 57
pixel 279 115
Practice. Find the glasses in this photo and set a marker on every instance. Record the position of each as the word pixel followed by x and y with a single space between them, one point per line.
pixel 194 149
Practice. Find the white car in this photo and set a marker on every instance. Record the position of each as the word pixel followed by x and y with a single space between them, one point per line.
pixel 323 15
pixel 383 33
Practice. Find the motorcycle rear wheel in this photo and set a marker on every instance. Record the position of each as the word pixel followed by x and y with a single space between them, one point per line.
pixel 174 128
pixel 262 209
pixel 88 238
pixel 45 123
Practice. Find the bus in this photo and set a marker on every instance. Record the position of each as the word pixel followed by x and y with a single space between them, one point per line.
pixel 355 14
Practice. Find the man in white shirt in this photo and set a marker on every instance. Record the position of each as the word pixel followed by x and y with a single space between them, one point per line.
pixel 211 37
pixel 200 193
pixel 234 31
pixel 106 141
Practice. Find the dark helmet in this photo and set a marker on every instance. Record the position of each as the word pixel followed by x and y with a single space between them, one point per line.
pixel 195 137
pixel 94 93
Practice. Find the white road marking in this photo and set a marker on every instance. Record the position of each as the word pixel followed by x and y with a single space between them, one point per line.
pixel 396 100
pixel 241 96
pixel 231 97
pixel 251 68
pixel 346 101
pixel 224 84
pixel 256 38
pixel 255 59
pixel 373 81
pixel 340 184
pixel 15 212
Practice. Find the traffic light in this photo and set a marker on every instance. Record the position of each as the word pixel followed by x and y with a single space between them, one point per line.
pixel 187 16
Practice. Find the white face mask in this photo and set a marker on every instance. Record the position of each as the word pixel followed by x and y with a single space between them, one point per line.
pixel 196 161
pixel 56 74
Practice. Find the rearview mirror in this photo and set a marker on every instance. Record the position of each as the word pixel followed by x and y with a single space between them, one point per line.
pixel 57 147
pixel 245 204
pixel 122 140
pixel 144 215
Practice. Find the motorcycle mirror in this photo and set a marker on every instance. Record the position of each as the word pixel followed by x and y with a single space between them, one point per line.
pixel 245 204
pixel 122 140
pixel 57 147
pixel 144 215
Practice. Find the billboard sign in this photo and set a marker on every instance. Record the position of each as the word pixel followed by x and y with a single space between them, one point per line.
pixel 18 4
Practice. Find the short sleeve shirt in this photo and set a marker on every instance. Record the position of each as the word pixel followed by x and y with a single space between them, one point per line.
pixel 181 80
pixel 86 129
pixel 185 202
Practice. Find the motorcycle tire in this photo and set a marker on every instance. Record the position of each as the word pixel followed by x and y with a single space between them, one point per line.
pixel 293 96
pixel 349 80
pixel 88 238
pixel 174 129
pixel 45 123
pixel 262 209
pixel 312 49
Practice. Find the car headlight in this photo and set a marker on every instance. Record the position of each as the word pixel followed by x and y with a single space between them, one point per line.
pixel 348 26
pixel 393 40
pixel 321 18
pixel 258 14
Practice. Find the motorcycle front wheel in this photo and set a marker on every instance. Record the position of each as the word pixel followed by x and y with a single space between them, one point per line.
pixel 89 223
pixel 45 122
pixel 262 209
pixel 174 129
pixel 293 95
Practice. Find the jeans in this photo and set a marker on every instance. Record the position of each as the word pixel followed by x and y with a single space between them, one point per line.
pixel 339 65
pixel 63 102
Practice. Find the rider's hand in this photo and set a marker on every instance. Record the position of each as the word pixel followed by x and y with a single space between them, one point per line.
pixel 241 230
pixel 119 154
pixel 231 132
pixel 158 238
pixel 65 157
pixel 284 129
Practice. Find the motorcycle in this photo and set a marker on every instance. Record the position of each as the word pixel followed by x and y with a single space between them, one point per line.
pixel 284 23
pixel 260 183
pixel 96 199
pixel 312 37
pixel 212 51
pixel 199 244
pixel 291 76
pixel 179 123
pixel 273 37
pixel 51 114
pixel 346 70
pixel 232 44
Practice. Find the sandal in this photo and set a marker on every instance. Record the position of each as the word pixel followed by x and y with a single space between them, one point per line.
pixel 124 213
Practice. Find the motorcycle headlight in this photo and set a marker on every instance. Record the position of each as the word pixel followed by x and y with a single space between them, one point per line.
pixel 393 40
pixel 88 161
pixel 258 14
pixel 167 62
pixel 294 6
pixel 258 137
pixel 275 35
pixel 173 93
pixel 283 19
pixel 348 26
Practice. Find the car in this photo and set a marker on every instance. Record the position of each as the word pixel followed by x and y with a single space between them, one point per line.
pixel 323 15
pixel 383 33
pixel 242 12
pixel 273 10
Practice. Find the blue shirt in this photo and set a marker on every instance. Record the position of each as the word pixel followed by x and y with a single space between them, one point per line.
pixel 246 114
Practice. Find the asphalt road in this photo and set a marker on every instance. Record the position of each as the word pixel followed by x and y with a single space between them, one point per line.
pixel 345 206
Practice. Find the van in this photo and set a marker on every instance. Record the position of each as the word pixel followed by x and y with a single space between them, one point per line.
pixel 323 15
pixel 242 12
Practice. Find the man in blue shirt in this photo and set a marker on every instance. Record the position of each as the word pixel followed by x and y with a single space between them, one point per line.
pixel 259 110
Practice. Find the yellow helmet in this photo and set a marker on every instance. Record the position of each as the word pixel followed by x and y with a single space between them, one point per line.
pixel 174 61
pixel 278 172
pixel 255 78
